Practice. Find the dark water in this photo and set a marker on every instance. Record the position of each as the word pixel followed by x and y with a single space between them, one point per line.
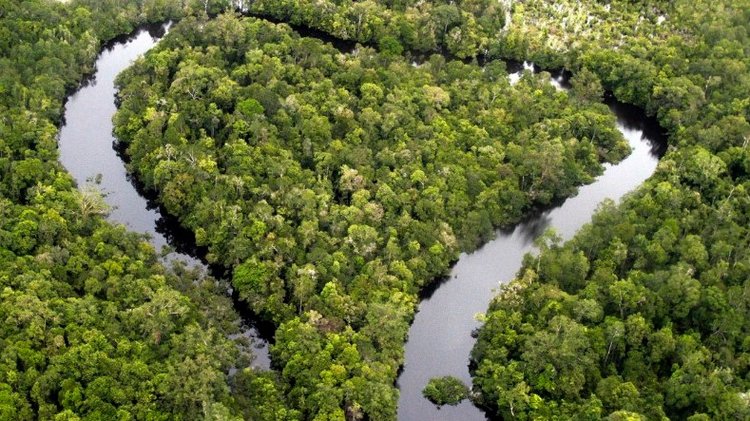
pixel 343 45
pixel 440 338
pixel 87 151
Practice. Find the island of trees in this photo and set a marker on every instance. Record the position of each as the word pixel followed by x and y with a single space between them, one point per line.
pixel 335 185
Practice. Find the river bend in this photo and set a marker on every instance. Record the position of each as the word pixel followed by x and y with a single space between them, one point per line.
pixel 440 338
pixel 87 150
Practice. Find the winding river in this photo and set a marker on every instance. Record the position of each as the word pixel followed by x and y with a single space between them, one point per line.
pixel 440 338
pixel 87 151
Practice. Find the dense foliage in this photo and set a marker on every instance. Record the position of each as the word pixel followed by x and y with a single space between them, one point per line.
pixel 461 29
pixel 671 58
pixel 446 390
pixel 644 315
pixel 92 324
pixel 337 185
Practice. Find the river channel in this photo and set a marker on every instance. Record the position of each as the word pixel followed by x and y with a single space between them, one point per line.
pixel 87 150
pixel 440 339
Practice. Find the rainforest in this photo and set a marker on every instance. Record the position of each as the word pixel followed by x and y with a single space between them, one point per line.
pixel 315 169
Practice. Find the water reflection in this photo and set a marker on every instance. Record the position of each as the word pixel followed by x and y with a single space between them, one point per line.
pixel 88 151
pixel 531 230
pixel 440 339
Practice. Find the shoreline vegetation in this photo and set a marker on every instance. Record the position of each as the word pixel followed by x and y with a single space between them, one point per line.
pixel 94 325
pixel 643 311
pixel 336 189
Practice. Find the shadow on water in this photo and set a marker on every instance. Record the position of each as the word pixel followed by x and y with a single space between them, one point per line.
pixel 444 329
pixel 88 150
pixel 426 292
pixel 532 229
pixel 634 118
pixel 529 228
pixel 155 30
pixel 425 355
pixel 182 241
pixel 343 45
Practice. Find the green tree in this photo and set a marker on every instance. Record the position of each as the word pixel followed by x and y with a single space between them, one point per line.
pixel 447 390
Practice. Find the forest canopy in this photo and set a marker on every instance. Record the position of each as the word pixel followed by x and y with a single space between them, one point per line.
pixel 336 185
pixel 93 324
pixel 643 315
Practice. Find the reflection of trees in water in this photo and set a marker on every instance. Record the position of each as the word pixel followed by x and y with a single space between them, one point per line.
pixel 530 230
pixel 634 118
pixel 426 292
pixel 157 30
pixel 187 250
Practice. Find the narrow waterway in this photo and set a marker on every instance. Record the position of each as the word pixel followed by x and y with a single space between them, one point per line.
pixel 87 150
pixel 440 339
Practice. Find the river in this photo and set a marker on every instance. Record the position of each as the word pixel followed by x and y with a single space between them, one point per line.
pixel 440 338
pixel 87 150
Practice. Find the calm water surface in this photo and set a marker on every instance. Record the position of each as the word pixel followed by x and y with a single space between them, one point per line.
pixel 440 338
pixel 87 151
